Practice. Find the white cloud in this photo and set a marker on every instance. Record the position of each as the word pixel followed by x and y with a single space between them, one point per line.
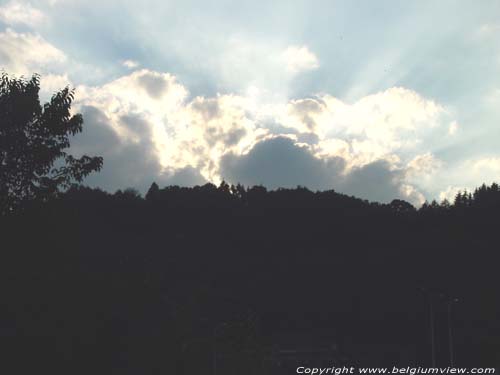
pixel 299 58
pixel 450 193
pixel 453 128
pixel 376 126
pixel 143 93
pixel 423 165
pixel 412 194
pixel 15 13
pixel 183 134
pixel 492 98
pixel 264 64
pixel 245 62
pixel 198 133
pixel 468 175
pixel 488 29
pixel 131 64
pixel 26 53
pixel 55 2
pixel 491 164
pixel 52 83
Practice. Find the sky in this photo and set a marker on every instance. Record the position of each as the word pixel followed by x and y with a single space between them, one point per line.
pixel 381 100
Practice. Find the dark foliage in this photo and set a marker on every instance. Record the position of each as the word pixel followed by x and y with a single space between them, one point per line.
pixel 33 138
pixel 114 283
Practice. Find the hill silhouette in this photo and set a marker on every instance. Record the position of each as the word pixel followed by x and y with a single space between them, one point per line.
pixel 117 283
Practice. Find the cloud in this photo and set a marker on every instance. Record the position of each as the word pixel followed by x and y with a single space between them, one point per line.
pixel 347 86
pixel 489 164
pixel 147 128
pixel 124 124
pixel 298 59
pixel 380 181
pixel 52 83
pixel 467 175
pixel 131 64
pixel 155 84
pixel 150 94
pixel 424 164
pixel 386 114
pixel 26 53
pixel 221 121
pixel 149 114
pixel 488 29
pixel 453 128
pixel 17 13
pixel 280 162
pixel 392 122
pixel 187 176
pixel 128 162
pixel 493 98
pixel 450 193
pixel 304 112
pixel 269 65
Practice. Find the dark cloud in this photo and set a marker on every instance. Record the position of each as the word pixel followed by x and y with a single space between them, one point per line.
pixel 136 125
pixel 126 163
pixel 233 137
pixel 277 129
pixel 305 109
pixel 229 137
pixel 278 162
pixel 154 84
pixel 187 176
pixel 375 181
pixel 208 108
pixel 309 138
pixel 97 134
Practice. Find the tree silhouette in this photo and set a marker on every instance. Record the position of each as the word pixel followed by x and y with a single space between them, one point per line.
pixel 34 163
pixel 152 192
pixel 400 206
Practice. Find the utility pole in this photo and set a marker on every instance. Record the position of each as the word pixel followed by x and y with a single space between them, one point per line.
pixel 431 320
pixel 449 301
pixel 450 330
pixel 215 352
